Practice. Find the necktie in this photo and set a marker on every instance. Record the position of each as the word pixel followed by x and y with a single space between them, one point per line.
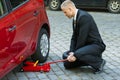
pixel 74 22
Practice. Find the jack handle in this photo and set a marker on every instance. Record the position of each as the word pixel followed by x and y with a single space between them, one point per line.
pixel 52 62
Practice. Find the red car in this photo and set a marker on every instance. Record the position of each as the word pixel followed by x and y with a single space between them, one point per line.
pixel 24 31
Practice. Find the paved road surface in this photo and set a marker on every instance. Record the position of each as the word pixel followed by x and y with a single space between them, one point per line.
pixel 61 30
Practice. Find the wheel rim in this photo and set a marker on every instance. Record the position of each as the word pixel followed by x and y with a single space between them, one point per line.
pixel 44 45
pixel 115 6
pixel 54 4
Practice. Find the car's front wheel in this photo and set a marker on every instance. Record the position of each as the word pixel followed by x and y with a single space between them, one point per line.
pixel 43 46
pixel 114 6
pixel 54 4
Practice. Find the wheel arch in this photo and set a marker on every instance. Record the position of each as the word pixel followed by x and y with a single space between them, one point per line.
pixel 46 26
pixel 107 3
pixel 49 0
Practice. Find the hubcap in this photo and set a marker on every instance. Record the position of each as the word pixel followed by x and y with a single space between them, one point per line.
pixel 115 5
pixel 44 45
pixel 54 3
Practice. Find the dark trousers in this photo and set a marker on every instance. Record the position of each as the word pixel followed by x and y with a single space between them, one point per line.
pixel 88 55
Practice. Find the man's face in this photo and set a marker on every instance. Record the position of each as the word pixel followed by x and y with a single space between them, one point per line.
pixel 68 12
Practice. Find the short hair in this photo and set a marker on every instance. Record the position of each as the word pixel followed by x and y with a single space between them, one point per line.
pixel 67 3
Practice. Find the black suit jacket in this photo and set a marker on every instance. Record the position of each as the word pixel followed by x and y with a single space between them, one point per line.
pixel 85 32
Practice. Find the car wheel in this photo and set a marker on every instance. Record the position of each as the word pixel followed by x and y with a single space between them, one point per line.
pixel 114 6
pixel 54 4
pixel 43 46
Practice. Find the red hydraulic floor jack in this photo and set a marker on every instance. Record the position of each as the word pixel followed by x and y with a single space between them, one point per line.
pixel 35 67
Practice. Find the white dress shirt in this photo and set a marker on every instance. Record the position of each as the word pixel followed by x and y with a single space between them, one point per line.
pixel 75 14
pixel 74 18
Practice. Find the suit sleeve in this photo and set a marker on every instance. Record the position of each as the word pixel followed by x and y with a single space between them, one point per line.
pixel 73 41
pixel 72 45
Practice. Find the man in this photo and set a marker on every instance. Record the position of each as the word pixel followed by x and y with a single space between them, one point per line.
pixel 86 44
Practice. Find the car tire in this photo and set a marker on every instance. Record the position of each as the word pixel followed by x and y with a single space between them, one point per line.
pixel 43 46
pixel 54 5
pixel 114 6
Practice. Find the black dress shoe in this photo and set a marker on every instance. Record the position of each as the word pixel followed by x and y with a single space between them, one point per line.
pixel 100 69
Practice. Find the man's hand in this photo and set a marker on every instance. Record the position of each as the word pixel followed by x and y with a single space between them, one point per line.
pixel 71 57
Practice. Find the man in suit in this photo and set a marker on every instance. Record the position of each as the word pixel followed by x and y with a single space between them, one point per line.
pixel 86 43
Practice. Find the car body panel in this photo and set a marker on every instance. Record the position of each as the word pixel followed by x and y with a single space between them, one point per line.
pixel 19 30
pixel 24 21
pixel 90 3
pixel 7 40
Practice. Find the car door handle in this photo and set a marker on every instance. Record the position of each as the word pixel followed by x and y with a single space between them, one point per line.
pixel 35 13
pixel 12 29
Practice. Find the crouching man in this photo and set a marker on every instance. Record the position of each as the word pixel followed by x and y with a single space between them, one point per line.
pixel 86 43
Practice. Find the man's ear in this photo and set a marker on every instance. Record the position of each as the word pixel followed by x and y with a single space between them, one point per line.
pixel 70 8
